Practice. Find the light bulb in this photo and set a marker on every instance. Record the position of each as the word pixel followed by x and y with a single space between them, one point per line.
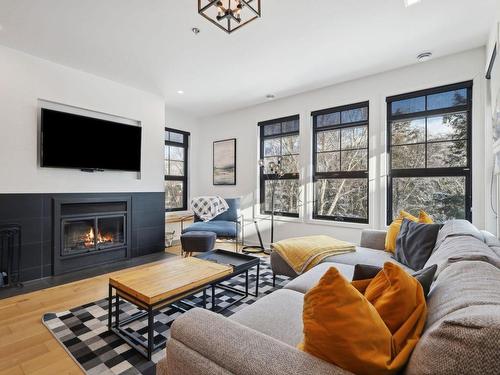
pixel 238 10
pixel 220 9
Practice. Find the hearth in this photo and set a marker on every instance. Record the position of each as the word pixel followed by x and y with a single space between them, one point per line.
pixel 90 232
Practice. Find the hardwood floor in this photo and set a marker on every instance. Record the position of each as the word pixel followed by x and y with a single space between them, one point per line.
pixel 26 345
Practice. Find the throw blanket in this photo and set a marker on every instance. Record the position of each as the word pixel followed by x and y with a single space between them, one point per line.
pixel 206 208
pixel 303 253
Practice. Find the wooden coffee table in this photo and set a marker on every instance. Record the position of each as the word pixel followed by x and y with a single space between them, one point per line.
pixel 157 286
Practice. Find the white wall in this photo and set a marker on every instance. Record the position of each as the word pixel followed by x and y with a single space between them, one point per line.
pixel 24 80
pixel 243 125
pixel 492 98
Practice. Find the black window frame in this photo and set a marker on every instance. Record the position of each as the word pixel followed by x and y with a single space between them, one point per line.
pixel 184 144
pixel 341 174
pixel 431 172
pixel 265 177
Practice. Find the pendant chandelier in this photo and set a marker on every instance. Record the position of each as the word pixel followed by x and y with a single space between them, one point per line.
pixel 229 15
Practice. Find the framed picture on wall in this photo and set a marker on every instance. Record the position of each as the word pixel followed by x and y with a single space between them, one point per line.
pixel 224 162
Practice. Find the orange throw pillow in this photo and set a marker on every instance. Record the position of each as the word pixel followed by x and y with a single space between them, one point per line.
pixel 393 230
pixel 392 284
pixel 343 327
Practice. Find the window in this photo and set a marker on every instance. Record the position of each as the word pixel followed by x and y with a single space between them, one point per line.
pixel 340 162
pixel 176 169
pixel 429 147
pixel 279 140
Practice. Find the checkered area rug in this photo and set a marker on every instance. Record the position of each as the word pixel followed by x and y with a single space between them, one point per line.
pixel 83 330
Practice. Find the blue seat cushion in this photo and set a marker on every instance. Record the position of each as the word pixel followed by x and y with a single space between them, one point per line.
pixel 219 227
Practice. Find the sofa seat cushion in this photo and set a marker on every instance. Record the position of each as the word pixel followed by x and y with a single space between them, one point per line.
pixel 306 281
pixel 278 315
pixel 364 255
pixel 463 284
pixel 220 227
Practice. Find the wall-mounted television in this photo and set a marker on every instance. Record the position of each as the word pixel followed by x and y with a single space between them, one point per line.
pixel 73 141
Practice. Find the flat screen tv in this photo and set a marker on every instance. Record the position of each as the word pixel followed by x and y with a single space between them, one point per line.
pixel 74 141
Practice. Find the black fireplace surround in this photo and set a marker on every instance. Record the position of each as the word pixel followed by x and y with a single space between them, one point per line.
pixel 62 233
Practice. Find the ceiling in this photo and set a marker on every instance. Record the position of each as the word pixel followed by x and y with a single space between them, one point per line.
pixel 297 45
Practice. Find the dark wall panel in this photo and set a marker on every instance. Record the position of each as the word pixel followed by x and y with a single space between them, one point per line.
pixel 34 213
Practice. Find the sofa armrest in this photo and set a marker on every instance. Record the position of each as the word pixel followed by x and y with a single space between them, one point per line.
pixel 373 239
pixel 201 339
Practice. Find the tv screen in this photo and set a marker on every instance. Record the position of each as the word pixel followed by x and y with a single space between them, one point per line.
pixel 74 141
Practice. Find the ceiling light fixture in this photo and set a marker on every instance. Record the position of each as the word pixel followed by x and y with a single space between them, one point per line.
pixel 180 92
pixel 195 30
pixel 229 15
pixel 409 3
pixel 424 56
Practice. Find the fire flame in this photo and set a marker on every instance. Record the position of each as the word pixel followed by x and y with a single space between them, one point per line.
pixel 89 238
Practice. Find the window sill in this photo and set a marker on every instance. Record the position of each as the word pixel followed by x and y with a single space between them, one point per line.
pixel 341 224
pixel 326 223
pixel 285 219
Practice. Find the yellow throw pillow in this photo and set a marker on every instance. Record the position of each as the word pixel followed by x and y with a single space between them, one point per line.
pixel 393 230
pixel 423 217
pixel 342 327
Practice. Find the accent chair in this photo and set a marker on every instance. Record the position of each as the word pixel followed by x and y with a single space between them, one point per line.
pixel 228 225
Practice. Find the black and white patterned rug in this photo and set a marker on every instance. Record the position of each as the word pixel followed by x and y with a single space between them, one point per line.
pixel 83 330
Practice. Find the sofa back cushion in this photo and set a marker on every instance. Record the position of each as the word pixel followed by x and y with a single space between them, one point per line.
pixel 465 342
pixel 462 246
pixel 462 284
pixel 453 228
pixel 492 242
pixel 463 324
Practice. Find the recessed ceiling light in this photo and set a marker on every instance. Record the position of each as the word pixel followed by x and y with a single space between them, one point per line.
pixel 270 96
pixel 195 30
pixel 424 56
pixel 409 3
pixel 180 92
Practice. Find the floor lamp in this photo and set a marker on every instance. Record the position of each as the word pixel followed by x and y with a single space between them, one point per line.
pixel 272 168
pixel 275 168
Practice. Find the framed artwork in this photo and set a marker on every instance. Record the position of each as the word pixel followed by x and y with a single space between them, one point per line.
pixel 224 163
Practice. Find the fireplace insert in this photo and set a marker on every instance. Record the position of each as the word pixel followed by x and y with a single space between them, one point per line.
pixel 92 234
pixel 89 232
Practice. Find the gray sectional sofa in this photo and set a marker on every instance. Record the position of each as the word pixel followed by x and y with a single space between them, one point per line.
pixel 462 334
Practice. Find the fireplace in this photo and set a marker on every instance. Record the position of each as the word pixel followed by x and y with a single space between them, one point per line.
pixel 94 234
pixel 90 232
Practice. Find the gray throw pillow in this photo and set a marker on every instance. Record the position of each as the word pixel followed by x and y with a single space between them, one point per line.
pixel 365 271
pixel 425 276
pixel 415 243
